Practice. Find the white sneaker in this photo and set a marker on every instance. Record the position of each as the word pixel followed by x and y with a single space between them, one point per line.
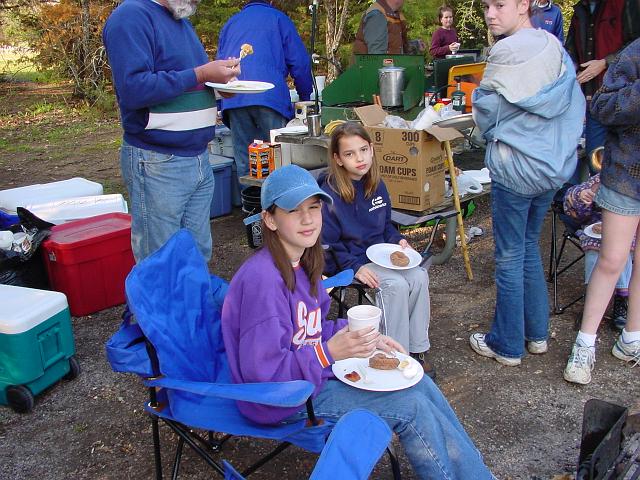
pixel 580 363
pixel 628 352
pixel 479 346
pixel 537 347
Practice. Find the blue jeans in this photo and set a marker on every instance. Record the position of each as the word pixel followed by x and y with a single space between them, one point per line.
pixel 432 437
pixel 522 305
pixel 590 259
pixel 248 124
pixel 167 193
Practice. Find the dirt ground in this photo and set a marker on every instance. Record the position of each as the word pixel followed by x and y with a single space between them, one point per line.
pixel 526 421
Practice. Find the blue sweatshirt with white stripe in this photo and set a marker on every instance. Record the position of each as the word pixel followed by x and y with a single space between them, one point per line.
pixel 152 58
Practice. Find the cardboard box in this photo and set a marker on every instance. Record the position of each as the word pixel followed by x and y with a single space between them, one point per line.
pixel 411 162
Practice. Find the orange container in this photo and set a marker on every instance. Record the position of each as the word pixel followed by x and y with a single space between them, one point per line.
pixel 260 160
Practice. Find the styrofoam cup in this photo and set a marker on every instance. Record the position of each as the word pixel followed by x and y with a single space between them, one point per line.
pixel 363 316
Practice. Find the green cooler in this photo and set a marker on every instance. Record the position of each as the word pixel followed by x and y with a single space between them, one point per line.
pixel 36 344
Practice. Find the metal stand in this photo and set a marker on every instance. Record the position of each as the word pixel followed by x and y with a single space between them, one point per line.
pixel 456 203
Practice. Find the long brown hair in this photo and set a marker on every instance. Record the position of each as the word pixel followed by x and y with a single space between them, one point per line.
pixel 338 178
pixel 312 260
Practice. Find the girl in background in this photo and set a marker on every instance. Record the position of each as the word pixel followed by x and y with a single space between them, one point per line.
pixel 275 329
pixel 445 39
pixel 359 217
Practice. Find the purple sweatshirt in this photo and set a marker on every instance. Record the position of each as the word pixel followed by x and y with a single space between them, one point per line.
pixel 272 334
pixel 441 40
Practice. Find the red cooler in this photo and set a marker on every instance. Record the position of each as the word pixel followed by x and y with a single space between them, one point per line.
pixel 89 259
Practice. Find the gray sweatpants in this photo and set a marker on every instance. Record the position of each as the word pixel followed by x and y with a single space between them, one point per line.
pixel 407 306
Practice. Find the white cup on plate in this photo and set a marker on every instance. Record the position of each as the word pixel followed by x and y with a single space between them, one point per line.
pixel 363 316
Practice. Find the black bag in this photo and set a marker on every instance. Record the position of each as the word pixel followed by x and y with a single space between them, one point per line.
pixel 26 269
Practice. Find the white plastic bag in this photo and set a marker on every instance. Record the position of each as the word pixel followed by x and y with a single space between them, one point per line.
pixel 468 184
pixel 392 121
pixel 425 119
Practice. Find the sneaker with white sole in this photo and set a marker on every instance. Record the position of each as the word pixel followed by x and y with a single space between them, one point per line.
pixel 537 347
pixel 580 364
pixel 628 352
pixel 481 348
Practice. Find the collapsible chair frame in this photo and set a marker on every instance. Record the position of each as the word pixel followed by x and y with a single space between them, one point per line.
pixel 206 448
pixel 555 257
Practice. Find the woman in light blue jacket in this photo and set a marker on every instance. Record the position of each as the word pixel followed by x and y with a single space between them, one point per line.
pixel 530 110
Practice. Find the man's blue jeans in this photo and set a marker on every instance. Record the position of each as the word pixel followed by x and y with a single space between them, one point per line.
pixel 432 437
pixel 167 193
pixel 248 124
pixel 522 304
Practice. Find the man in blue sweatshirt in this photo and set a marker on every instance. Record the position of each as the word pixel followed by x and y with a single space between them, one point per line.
pixel 159 67
pixel 548 16
pixel 278 51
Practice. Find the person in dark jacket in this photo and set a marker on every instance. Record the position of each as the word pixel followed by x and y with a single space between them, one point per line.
pixel 617 106
pixel 383 29
pixel 278 51
pixel 597 32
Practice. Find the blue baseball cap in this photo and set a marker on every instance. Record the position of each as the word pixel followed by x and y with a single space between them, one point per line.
pixel 287 187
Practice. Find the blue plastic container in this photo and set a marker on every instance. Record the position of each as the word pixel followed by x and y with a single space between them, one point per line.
pixel 221 201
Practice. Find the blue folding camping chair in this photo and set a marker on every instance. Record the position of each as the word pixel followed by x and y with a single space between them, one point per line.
pixel 172 338
pixel 356 443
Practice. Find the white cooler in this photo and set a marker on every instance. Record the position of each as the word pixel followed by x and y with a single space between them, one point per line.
pixel 47 192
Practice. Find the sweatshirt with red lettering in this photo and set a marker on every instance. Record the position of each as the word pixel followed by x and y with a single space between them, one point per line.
pixel 273 334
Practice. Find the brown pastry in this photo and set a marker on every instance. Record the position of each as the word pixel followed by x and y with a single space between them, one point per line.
pixel 245 49
pixel 381 362
pixel 399 259
pixel 352 377
pixel 597 228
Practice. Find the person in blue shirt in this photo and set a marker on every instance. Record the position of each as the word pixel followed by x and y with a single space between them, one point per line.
pixel 547 16
pixel 159 68
pixel 278 51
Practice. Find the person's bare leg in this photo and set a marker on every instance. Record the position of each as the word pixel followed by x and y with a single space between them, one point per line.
pixel 618 232
pixel 633 313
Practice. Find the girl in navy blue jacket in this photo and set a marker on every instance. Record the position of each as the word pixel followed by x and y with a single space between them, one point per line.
pixel 360 217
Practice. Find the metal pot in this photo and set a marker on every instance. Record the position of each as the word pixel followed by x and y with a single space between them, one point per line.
pixel 391 82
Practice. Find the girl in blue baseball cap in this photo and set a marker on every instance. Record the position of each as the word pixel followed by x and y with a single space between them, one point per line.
pixel 275 329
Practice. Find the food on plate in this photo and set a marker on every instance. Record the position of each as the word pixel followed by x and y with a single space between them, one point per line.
pixel 245 49
pixel 381 362
pixel 399 259
pixel 410 370
pixel 404 364
pixel 597 228
pixel 352 377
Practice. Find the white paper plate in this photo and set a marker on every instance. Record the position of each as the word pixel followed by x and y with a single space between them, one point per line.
pixel 377 380
pixel 295 129
pixel 379 254
pixel 480 175
pixel 588 230
pixel 241 86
